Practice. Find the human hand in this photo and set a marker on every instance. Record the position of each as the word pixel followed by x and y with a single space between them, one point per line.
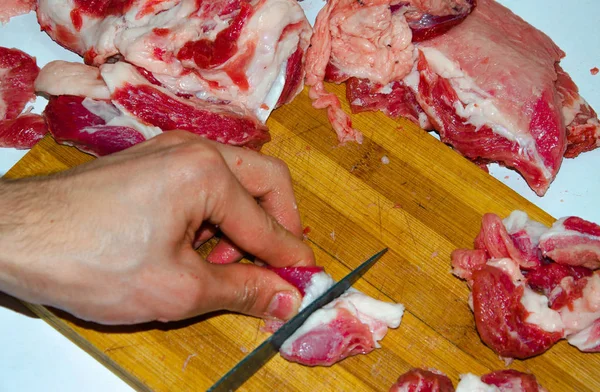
pixel 112 241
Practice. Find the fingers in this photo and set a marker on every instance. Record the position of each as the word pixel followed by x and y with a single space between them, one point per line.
pixel 225 252
pixel 206 232
pixel 267 179
pixel 251 228
pixel 250 290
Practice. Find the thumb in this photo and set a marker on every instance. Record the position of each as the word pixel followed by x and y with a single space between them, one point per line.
pixel 251 290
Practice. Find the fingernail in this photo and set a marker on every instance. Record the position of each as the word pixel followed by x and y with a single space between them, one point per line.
pixel 284 305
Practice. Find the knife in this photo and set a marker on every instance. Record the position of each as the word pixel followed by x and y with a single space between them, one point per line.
pixel 241 372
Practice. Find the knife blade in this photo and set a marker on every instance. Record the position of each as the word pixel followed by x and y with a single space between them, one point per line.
pixel 241 372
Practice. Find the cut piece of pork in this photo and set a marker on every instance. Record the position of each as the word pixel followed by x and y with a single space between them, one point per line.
pixel 10 8
pixel 351 324
pixel 520 310
pixel 134 110
pixel 370 40
pixel 573 241
pixel 421 380
pixel 511 318
pixel 247 52
pixel 18 71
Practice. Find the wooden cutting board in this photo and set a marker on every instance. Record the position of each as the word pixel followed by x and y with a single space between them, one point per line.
pixel 426 202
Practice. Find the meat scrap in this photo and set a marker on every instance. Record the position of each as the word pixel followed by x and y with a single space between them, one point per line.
pixel 470 75
pixel 372 42
pixel 351 324
pixel 421 380
pixel 18 71
pixel 523 308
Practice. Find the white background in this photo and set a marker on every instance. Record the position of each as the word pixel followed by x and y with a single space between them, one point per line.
pixel 36 357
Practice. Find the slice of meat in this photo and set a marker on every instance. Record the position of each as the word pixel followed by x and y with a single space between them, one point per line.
pixel 421 380
pixel 370 40
pixel 498 97
pixel 351 324
pixel 583 127
pixel 10 8
pixel 128 108
pixel 18 71
pixel 156 106
pixel 22 132
pixel 573 241
pixel 512 319
pixel 247 52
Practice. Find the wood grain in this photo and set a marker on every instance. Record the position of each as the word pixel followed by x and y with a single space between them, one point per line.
pixel 425 203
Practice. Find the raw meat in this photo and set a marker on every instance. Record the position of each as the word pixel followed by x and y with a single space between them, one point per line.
pixel 22 132
pixel 17 75
pixel 421 380
pixel 352 324
pixel 522 310
pixel 573 241
pixel 136 111
pixel 370 40
pixel 511 318
pixel 247 52
pixel 489 83
pixel 18 71
pixel 509 103
pixel 10 8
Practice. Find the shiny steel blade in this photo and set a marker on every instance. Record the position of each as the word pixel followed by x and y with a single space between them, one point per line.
pixel 241 372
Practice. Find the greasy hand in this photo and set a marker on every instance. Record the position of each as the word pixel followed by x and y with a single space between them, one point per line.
pixel 113 241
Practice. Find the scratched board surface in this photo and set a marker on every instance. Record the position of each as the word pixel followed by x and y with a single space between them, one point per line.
pixel 426 202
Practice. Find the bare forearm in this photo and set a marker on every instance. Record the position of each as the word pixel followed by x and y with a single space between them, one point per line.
pixel 20 218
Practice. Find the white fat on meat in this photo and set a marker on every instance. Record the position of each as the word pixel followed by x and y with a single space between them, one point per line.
pixel 582 312
pixel 558 230
pixel 539 313
pixel 132 36
pixel 587 340
pixel 67 78
pixel 476 106
pixel 378 315
pixel 471 383
pixel 519 220
pixel 509 267
pixel 114 117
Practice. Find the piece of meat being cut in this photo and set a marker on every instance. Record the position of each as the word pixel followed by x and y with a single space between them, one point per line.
pixel 520 309
pixel 352 324
pixel 18 71
pixel 250 53
pixel 493 89
pixel 420 380
pixel 126 108
pixel 10 8
pixel 372 42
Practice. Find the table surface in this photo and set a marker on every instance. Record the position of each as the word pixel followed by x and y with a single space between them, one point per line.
pixel 30 346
